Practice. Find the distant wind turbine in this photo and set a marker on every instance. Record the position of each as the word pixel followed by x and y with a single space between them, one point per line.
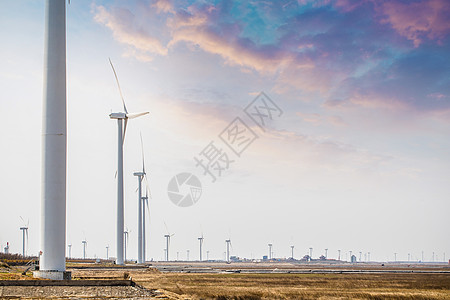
pixel 122 120
pixel 24 238
pixel 228 249
pixel 84 242
pixel 200 240
pixel 125 246
pixel 167 237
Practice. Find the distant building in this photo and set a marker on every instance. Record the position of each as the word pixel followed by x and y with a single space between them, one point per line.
pixel 353 259
pixel 265 257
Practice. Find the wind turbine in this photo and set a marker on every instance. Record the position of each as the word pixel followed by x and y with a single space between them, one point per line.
pixel 310 253
pixel 207 255
pixel 200 239
pixel 122 120
pixel 107 252
pixel 24 238
pixel 70 250
pixel 228 249
pixel 168 236
pixel 125 236
pixel 84 242
pixel 187 255
pixel 292 251
pixel 52 262
pixel 339 254
pixel 270 251
pixel 326 253
pixel 144 204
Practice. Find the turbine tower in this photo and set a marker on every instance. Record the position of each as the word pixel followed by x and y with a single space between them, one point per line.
pixel 339 254
pixel 142 201
pixel 122 120
pixel 107 252
pixel 200 240
pixel 168 236
pixel 228 249
pixel 270 250
pixel 70 250
pixel 84 242
pixel 24 240
pixel 187 255
pixel 52 262
pixel 144 204
pixel 326 253
pixel 125 237
pixel 292 251
pixel 140 176
pixel 310 253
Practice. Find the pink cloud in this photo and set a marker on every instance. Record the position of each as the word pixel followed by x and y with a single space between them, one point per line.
pixel 418 20
pixel 163 6
pixel 194 28
pixel 121 22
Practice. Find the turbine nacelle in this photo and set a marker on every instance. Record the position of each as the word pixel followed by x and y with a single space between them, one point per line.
pixel 122 115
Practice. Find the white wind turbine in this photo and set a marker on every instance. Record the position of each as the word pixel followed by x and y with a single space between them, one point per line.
pixel 200 240
pixel 144 205
pixel 24 237
pixel 168 236
pixel 122 120
pixel 84 242
pixel 141 208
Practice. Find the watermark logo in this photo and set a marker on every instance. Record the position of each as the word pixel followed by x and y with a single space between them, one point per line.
pixel 184 189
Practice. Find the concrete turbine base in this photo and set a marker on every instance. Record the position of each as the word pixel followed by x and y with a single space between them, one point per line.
pixel 53 275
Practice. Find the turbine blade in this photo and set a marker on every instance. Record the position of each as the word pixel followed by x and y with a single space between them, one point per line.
pixel 136 115
pixel 118 85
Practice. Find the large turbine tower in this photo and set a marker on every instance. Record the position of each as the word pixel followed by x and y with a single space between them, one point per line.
pixel 122 120
pixel 52 263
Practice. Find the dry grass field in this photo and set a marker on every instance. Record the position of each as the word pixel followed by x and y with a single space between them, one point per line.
pixel 178 285
pixel 301 286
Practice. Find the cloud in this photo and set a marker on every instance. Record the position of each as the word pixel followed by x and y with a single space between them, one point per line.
pixel 417 21
pixel 163 6
pixel 201 26
pixel 318 119
pixel 342 52
pixel 125 30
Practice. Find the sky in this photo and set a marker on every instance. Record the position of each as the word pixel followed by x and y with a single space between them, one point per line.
pixel 354 158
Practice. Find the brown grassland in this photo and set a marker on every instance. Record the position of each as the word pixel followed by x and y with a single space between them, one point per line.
pixel 272 285
pixel 302 286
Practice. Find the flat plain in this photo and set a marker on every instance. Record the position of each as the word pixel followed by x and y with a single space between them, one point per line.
pixel 190 280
